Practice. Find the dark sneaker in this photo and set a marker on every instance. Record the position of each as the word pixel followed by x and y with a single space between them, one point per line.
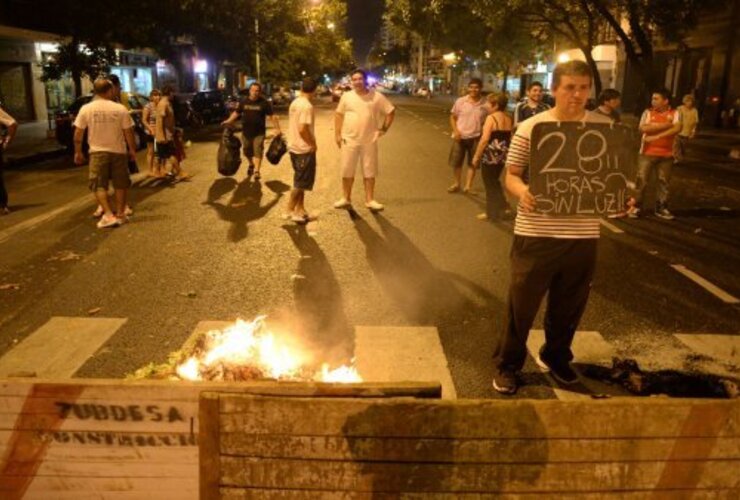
pixel 664 213
pixel 562 372
pixel 504 381
pixel 250 171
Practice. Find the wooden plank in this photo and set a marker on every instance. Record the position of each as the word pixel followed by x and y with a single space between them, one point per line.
pixel 282 494
pixel 172 390
pixel 445 450
pixel 46 488
pixel 614 418
pixel 60 347
pixel 209 446
pixel 466 478
pixel 397 353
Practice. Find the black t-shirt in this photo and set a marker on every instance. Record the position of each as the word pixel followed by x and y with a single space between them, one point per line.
pixel 253 114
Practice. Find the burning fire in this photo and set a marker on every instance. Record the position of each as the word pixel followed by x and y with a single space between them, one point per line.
pixel 250 350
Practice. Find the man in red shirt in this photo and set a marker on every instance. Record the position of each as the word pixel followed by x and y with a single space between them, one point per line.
pixel 659 126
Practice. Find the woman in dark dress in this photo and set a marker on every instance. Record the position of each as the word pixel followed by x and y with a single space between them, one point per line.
pixel 491 156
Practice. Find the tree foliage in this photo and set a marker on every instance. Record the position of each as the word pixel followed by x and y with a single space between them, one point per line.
pixel 295 35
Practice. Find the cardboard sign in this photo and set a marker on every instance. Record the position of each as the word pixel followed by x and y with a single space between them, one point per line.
pixel 581 169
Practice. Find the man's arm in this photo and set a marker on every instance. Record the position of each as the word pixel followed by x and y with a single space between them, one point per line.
pixel 276 123
pixel 12 129
pixel 673 129
pixel 338 124
pixel 516 187
pixel 453 125
pixel 79 135
pixel 128 133
pixel 305 132
pixel 231 119
pixel 388 122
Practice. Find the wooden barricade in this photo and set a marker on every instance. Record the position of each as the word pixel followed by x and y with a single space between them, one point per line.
pixel 115 439
pixel 271 447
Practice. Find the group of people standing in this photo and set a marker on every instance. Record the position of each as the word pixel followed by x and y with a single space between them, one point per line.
pixel 362 117
pixel 482 130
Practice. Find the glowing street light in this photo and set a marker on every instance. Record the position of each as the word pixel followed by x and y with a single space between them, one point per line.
pixel 563 57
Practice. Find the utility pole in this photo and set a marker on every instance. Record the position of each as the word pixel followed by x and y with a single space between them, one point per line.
pixel 257 48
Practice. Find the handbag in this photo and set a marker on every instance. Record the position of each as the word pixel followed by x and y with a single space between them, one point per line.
pixel 276 149
pixel 494 154
pixel 133 167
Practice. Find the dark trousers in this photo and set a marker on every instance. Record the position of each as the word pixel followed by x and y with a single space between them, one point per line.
pixel 564 269
pixel 3 191
pixel 495 200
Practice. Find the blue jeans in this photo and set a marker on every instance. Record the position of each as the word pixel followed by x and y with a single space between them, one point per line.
pixel 645 164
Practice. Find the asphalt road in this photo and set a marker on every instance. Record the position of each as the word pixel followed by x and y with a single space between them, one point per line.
pixel 217 249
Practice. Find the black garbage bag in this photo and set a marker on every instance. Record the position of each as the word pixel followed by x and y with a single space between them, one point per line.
pixel 277 149
pixel 229 153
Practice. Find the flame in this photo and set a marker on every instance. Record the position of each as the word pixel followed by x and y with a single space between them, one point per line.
pixel 253 344
pixel 343 374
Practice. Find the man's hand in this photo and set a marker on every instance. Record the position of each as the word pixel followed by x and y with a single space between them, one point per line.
pixel 338 140
pixel 650 138
pixel 456 135
pixel 132 156
pixel 79 158
pixel 476 160
pixel 527 200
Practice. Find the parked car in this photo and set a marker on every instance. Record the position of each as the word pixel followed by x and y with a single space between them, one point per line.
pixel 282 96
pixel 64 121
pixel 207 106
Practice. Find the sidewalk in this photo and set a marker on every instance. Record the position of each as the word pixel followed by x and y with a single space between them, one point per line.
pixel 32 144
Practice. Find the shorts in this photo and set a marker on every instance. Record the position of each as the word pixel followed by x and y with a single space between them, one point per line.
pixel 164 150
pixel 106 167
pixel 253 146
pixel 364 154
pixel 460 149
pixel 304 170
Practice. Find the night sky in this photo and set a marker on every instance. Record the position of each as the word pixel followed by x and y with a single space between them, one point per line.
pixel 363 24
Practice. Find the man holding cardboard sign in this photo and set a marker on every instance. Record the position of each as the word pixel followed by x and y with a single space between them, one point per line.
pixel 551 254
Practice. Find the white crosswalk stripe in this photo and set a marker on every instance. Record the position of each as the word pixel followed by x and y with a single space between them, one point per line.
pixel 60 347
pixel 588 347
pixel 382 353
pixel 396 354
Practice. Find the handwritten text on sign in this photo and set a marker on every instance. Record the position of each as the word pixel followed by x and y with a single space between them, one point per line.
pixel 580 168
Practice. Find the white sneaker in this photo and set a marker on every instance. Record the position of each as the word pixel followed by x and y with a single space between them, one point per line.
pixel 374 206
pixel 129 211
pixel 98 213
pixel 343 203
pixel 108 221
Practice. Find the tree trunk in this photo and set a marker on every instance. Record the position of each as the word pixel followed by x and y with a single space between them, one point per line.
pixel 506 79
pixel 75 66
pixel 594 69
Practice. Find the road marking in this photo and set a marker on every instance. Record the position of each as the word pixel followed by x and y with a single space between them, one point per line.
pixel 40 219
pixel 47 216
pixel 711 288
pixel 397 354
pixel 611 227
pixel 60 347
pixel 588 347
pixel 722 347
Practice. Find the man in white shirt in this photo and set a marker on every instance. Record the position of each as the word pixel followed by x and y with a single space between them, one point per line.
pixel 109 130
pixel 12 126
pixel 302 148
pixel 362 117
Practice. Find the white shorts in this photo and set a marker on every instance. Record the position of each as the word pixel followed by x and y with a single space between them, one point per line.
pixel 364 154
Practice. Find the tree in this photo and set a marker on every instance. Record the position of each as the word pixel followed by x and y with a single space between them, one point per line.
pixel 648 22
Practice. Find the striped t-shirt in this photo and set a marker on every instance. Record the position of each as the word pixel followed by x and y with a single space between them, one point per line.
pixel 536 224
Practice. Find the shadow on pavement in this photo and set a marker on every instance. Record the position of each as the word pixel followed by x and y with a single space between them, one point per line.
pixel 320 315
pixel 424 293
pixel 244 206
